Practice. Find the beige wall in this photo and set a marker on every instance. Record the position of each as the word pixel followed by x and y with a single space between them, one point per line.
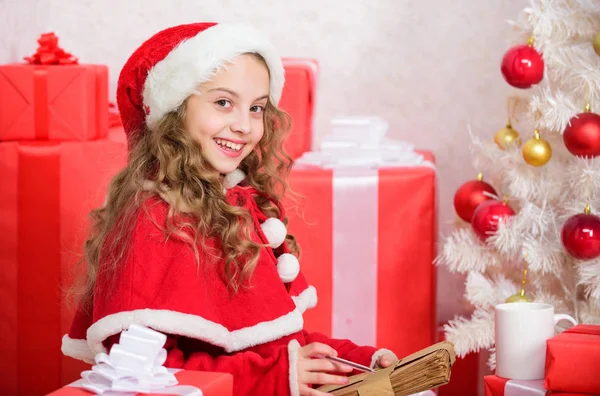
pixel 429 67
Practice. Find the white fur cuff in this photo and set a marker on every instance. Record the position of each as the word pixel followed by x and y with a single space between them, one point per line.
pixel 293 348
pixel 77 349
pixel 379 354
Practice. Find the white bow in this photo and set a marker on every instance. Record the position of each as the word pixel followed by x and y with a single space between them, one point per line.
pixel 361 142
pixel 134 365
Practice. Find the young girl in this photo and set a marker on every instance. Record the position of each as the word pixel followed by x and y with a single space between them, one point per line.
pixel 192 240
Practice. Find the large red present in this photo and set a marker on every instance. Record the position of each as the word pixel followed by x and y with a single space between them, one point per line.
pixel 48 190
pixel 53 102
pixel 298 100
pixel 367 238
pixel 210 384
pixel 573 360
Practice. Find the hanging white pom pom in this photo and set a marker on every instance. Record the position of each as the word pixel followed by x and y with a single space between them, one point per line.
pixel 288 267
pixel 275 231
pixel 233 178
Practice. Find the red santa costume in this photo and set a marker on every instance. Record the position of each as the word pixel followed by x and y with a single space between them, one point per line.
pixel 254 334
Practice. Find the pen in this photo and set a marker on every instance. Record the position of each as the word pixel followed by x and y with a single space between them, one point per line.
pixel 356 366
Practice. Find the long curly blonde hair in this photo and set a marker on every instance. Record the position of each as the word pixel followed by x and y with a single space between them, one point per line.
pixel 171 159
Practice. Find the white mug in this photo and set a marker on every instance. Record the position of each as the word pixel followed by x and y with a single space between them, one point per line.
pixel 521 332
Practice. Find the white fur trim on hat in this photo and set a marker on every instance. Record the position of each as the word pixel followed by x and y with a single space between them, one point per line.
pixel 288 267
pixel 233 178
pixel 196 60
pixel 275 231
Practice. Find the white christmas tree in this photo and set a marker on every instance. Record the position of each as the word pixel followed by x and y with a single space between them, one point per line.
pixel 529 229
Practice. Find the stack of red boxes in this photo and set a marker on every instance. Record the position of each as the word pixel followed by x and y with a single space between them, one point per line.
pixel 56 159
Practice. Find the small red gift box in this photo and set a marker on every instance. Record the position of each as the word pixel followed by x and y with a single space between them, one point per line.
pixel 48 189
pixel 498 386
pixel 298 100
pixel 53 102
pixel 573 360
pixel 211 384
pixel 367 244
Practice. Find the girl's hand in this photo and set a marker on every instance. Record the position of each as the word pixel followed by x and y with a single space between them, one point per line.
pixel 314 369
pixel 386 360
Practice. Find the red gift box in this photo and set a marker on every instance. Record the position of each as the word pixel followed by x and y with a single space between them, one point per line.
pixel 380 290
pixel 298 100
pixel 48 190
pixel 498 386
pixel 573 360
pixel 53 102
pixel 211 384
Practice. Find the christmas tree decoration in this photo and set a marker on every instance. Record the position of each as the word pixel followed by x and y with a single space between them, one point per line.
pixel 581 235
pixel 487 216
pixel 563 267
pixel 520 295
pixel 582 135
pixel 506 137
pixel 470 195
pixel 537 151
pixel 523 66
pixel 596 44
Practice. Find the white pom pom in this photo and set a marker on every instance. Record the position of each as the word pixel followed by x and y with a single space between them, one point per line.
pixel 233 178
pixel 288 267
pixel 275 231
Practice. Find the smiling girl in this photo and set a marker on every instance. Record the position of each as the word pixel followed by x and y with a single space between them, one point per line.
pixel 192 240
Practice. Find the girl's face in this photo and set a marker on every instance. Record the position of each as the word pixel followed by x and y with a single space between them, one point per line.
pixel 226 116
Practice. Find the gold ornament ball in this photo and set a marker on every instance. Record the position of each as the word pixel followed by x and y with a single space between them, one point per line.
pixel 507 136
pixel 537 151
pixel 518 298
pixel 596 43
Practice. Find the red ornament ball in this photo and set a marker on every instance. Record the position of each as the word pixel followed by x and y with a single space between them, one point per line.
pixel 581 236
pixel 522 66
pixel 469 196
pixel 487 215
pixel 582 136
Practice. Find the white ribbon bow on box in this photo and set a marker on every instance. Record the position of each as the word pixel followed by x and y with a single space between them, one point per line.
pixel 134 365
pixel 361 142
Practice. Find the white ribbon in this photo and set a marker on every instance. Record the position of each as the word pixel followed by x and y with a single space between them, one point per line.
pixel 355 223
pixel 361 142
pixel 134 365
pixel 355 150
pixel 524 388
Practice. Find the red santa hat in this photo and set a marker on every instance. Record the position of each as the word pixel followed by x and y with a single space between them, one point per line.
pixel 167 68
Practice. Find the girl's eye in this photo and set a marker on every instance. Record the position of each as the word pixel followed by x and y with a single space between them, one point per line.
pixel 257 109
pixel 223 103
